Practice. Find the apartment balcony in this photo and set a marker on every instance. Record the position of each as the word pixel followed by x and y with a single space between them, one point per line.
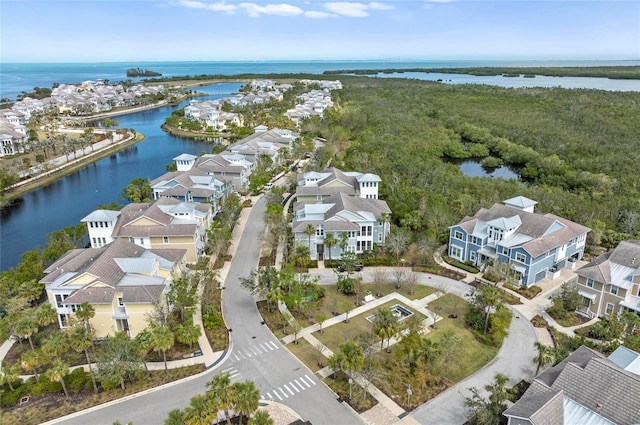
pixel 120 313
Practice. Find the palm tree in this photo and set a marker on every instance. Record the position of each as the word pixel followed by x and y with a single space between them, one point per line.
pixel 330 241
pixel 544 356
pixel 9 375
pixel 57 372
pixel 162 339
pixel 85 313
pixel 490 297
pixel 175 417
pixel 274 295
pixel 25 327
pixel 384 325
pixel 261 417
pixel 188 333
pixel 55 345
pixel 219 390
pixel 46 314
pixel 198 412
pixel 427 351
pixel 310 230
pixel 80 339
pixel 247 398
pixel 31 361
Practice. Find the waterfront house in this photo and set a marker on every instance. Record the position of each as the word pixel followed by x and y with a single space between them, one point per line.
pixel 611 282
pixel 536 246
pixel 13 134
pixel 585 388
pixel 122 281
pixel 166 223
pixel 264 142
pixel 345 204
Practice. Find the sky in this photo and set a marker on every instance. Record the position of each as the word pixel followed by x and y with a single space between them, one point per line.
pixel 186 30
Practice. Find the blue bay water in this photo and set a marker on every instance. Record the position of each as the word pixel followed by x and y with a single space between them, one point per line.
pixel 26 222
pixel 18 77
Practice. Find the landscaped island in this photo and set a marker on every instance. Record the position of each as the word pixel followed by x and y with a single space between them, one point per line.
pixel 142 72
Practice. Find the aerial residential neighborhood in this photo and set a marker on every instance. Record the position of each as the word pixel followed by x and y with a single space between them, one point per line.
pixel 125 279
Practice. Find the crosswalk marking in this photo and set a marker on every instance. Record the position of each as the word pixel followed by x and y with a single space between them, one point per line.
pixel 283 393
pixel 275 346
pixel 288 389
pixel 308 386
pixel 311 380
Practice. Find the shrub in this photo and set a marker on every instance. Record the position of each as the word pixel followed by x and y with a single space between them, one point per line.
pixel 11 398
pixel 346 285
pixel 45 386
pixel 77 380
pixel 212 318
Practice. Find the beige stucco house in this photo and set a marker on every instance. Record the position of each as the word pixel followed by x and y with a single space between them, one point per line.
pixel 122 281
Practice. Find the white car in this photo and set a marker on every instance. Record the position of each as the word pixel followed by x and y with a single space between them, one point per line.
pixel 268 186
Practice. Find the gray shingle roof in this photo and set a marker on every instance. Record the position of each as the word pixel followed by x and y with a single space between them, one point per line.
pixel 589 379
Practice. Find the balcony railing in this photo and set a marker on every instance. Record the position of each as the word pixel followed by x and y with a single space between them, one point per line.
pixel 120 313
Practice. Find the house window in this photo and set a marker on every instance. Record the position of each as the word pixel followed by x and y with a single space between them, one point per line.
pixel 608 309
pixel 521 257
pixel 614 290
pixel 63 320
pixel 320 231
pixel 455 252
pixel 472 256
pixel 60 298
pixel 120 303
pixel 506 251
pixel 380 237
pixel 590 283
pixel 165 239
pixel 457 234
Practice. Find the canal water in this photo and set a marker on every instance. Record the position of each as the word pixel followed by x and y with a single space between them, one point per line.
pixel 25 224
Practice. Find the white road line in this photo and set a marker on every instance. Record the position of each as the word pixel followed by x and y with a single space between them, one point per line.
pixel 266 349
pixel 237 358
pixel 229 369
pixel 275 346
pixel 307 376
pixel 283 393
pixel 270 396
pixel 295 387
pixel 249 355
pixel 241 355
pixel 254 353
pixel 308 386
pixel 277 395
pixel 292 393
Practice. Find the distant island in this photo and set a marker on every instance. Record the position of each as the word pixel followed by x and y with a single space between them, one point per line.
pixel 142 72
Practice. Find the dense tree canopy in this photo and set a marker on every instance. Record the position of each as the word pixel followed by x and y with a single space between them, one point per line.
pixel 576 150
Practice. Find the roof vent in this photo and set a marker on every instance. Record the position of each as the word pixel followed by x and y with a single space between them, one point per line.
pixel 599 405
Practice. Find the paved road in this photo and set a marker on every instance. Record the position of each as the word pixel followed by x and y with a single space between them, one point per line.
pixel 278 374
pixel 255 354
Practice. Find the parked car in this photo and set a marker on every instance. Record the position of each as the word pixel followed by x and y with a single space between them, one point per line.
pixel 356 267
pixel 268 186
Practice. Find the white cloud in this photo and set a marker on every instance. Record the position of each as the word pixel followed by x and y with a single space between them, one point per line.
pixel 438 1
pixel 216 7
pixel 375 5
pixel 349 9
pixel 255 10
pixel 312 14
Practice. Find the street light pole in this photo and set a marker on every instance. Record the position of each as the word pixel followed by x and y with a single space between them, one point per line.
pixel 350 383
